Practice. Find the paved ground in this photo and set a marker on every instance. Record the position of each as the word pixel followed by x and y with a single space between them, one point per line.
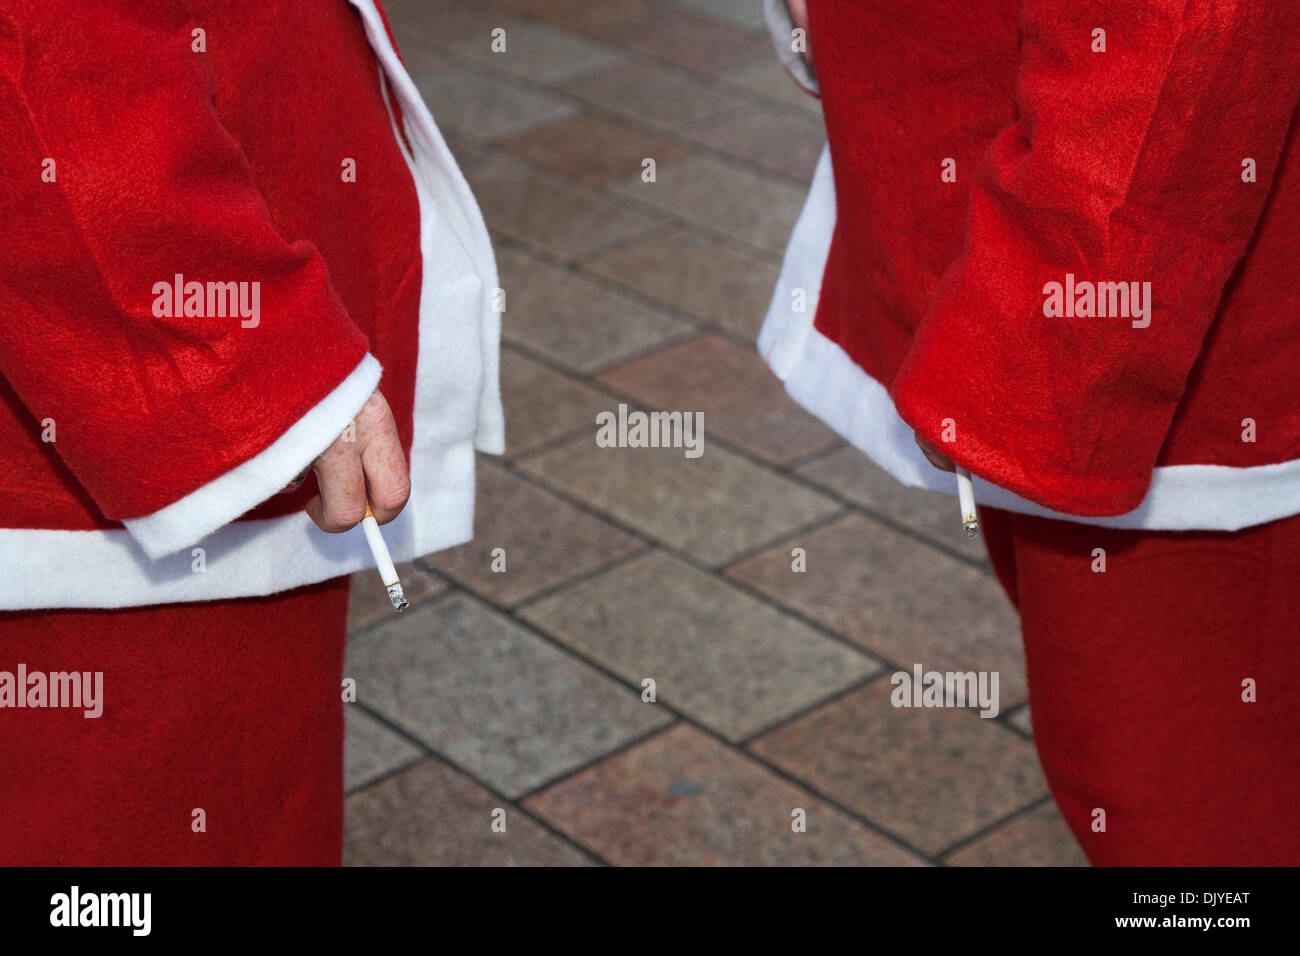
pixel 522 690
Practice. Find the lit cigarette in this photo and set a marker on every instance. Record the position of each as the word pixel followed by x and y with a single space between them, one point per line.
pixel 383 560
pixel 966 498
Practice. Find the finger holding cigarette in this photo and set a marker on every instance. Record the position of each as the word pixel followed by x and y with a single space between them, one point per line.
pixel 364 468
pixel 965 488
pixel 363 479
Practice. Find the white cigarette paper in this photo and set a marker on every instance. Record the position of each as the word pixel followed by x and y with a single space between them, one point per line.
pixel 383 560
pixel 966 499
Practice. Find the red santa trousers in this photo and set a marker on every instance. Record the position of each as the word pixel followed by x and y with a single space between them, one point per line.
pixel 1136 682
pixel 232 708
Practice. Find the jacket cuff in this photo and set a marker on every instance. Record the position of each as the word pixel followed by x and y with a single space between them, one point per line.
pixel 225 498
pixel 987 431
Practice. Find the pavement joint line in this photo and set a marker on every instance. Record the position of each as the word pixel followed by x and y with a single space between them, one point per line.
pixel 696 564
pixel 641 551
pixel 578 268
pixel 667 220
pixel 429 752
pixel 560 91
pixel 833 697
pixel 684 717
pixel 889 664
pixel 718 81
pixel 661 218
pixel 808 484
pixel 996 824
pixel 845 505
pixel 559 644
pixel 622 748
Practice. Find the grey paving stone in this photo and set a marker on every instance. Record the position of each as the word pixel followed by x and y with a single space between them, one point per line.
pixel 727 197
pixel 714 507
pixel 543 540
pixel 491 697
pixel 485 107
pixel 540 53
pixel 574 321
pixel 731 662
pixel 371 750
pixel 714 281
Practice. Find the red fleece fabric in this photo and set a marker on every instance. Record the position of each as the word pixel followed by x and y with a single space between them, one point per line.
pixel 1116 166
pixel 1135 685
pixel 233 707
pixel 223 165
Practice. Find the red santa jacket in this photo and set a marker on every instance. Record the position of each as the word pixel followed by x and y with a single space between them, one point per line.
pixel 225 225
pixel 1058 239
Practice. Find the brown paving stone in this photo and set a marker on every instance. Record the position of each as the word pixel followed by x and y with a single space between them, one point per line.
pixel 681 798
pixel 493 697
pixel 542 404
pixel 724 196
pixel 715 507
pixel 855 477
pixel 592 148
pixel 368 601
pixel 742 401
pixel 552 214
pixel 898 598
pixel 666 31
pixel 729 661
pixel 539 53
pixel 546 540
pixel 785 143
pixel 573 321
pixel 931 776
pixel 433 815
pixel 708 279
pixel 1037 838
pixel 768 77
pixel 658 97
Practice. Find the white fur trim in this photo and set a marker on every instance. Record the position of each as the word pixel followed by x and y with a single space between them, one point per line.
pixel 822 378
pixel 457 408
pixel 107 569
pixel 239 490
pixel 447 193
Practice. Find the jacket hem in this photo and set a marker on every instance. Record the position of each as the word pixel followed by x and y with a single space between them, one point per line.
pixel 822 378
pixel 47 568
